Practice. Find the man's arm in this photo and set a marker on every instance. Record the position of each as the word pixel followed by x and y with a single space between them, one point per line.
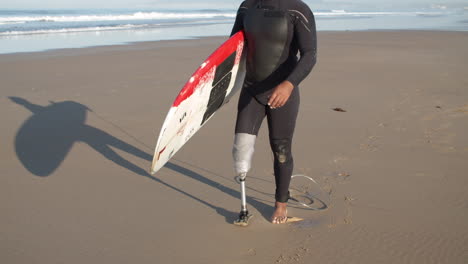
pixel 239 23
pixel 306 35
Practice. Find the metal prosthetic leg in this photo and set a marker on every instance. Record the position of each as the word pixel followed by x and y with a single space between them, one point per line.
pixel 244 215
pixel 242 153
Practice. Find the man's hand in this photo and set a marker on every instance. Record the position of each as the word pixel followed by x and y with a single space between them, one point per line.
pixel 280 94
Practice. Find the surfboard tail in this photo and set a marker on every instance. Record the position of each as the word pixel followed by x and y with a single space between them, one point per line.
pixel 210 87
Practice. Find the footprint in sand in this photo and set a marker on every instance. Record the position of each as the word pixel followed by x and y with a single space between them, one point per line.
pixel 348 212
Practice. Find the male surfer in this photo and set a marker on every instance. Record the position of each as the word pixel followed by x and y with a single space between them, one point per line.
pixel 276 32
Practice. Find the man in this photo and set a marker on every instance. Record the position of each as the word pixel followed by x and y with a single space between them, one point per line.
pixel 276 32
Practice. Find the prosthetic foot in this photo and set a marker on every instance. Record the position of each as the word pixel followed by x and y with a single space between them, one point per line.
pixel 244 216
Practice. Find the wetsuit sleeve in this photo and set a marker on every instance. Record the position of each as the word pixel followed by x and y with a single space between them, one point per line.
pixel 306 37
pixel 239 22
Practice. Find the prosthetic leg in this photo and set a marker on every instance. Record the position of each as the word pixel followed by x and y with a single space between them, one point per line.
pixel 244 216
pixel 242 153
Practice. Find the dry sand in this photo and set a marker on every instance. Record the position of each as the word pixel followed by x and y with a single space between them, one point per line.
pixel 74 186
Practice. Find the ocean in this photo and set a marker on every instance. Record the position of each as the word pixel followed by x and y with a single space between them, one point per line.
pixel 38 30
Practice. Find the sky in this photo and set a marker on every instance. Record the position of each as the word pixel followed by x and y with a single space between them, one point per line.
pixel 224 4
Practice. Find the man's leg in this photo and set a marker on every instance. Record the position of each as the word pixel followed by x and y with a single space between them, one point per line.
pixel 281 124
pixel 249 118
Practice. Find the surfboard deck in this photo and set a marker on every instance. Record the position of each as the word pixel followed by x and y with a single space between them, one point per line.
pixel 211 86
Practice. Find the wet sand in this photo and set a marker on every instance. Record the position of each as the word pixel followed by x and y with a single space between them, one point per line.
pixel 79 127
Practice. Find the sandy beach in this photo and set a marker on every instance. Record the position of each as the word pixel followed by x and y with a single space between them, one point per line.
pixel 78 129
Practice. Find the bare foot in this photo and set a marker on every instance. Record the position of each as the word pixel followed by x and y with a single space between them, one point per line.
pixel 280 215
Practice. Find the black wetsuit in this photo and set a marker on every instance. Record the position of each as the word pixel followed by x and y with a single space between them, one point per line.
pixel 276 32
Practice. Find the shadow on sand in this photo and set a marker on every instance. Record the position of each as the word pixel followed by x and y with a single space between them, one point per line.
pixel 45 139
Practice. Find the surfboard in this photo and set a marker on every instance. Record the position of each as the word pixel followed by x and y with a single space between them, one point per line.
pixel 211 86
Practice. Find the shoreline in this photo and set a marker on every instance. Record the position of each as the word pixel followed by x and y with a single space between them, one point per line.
pixel 128 45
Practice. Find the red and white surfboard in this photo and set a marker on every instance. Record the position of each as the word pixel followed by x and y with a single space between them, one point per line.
pixel 213 83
